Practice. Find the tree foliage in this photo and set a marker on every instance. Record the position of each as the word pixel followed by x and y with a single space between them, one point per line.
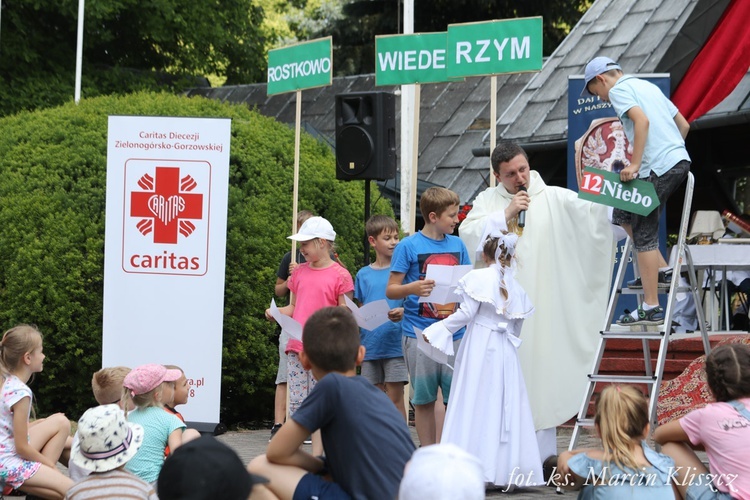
pixel 52 212
pixel 354 32
pixel 128 45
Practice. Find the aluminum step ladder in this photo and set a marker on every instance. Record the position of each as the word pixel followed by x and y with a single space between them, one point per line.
pixel 652 378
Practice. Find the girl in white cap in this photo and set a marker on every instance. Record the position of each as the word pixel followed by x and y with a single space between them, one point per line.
pixel 145 386
pixel 489 414
pixel 27 460
pixel 319 282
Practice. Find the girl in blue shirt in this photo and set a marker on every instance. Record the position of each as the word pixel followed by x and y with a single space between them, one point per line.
pixel 626 467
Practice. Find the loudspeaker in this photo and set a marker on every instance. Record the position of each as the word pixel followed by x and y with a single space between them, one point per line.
pixel 365 136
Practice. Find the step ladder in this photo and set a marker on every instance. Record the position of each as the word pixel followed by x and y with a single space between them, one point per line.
pixel 652 378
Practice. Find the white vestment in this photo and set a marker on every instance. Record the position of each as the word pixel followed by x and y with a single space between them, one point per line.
pixel 565 257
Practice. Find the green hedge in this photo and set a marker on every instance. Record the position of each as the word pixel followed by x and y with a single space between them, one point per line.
pixel 52 206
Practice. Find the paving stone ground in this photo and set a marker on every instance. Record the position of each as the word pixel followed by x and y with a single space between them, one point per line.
pixel 251 443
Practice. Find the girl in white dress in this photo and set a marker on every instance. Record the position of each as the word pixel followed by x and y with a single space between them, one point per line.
pixel 488 413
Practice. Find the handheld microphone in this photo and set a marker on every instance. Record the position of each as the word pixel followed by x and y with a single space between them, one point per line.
pixel 522 213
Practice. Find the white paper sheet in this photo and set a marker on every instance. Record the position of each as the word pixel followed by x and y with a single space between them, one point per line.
pixel 430 351
pixel 446 279
pixel 371 315
pixel 287 323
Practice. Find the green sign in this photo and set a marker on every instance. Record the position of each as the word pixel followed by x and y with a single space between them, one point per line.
pixel 301 66
pixel 495 47
pixel 407 59
pixel 605 188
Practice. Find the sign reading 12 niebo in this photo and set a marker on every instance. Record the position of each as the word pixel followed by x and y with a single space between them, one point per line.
pixel 494 47
pixel 408 59
pixel 301 66
pixel 605 188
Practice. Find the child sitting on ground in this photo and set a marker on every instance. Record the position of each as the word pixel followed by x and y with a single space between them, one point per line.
pixel 107 387
pixel 106 442
pixel 626 467
pixel 442 472
pixel 180 393
pixel 145 387
pixel 27 462
pixel 176 394
pixel 722 428
pixel 206 469
pixel 366 440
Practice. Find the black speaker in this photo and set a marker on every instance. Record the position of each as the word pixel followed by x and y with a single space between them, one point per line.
pixel 365 136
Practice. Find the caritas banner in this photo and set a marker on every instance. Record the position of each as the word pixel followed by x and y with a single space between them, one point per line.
pixel 165 249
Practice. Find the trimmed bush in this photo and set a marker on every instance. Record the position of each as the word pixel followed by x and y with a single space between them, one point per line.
pixel 52 211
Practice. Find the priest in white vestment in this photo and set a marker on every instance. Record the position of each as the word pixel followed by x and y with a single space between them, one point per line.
pixel 565 257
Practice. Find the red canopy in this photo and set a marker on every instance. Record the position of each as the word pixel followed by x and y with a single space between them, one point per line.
pixel 719 66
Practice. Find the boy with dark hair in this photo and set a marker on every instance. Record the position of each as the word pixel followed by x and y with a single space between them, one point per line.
pixel 384 358
pixel 366 440
pixel 434 244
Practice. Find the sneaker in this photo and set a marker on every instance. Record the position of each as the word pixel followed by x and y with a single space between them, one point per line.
pixel 274 430
pixel 663 281
pixel 308 440
pixel 549 467
pixel 653 316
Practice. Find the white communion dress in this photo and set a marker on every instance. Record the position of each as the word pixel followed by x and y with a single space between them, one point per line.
pixel 488 412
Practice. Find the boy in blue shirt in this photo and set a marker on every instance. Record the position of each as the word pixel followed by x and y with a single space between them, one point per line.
pixel 657 131
pixel 434 244
pixel 384 359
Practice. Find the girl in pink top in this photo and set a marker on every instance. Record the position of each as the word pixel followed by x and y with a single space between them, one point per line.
pixel 721 428
pixel 319 282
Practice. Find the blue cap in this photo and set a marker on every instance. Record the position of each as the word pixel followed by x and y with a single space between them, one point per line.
pixel 595 67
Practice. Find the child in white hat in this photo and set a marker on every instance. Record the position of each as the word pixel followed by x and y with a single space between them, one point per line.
pixel 319 282
pixel 106 443
pixel 442 472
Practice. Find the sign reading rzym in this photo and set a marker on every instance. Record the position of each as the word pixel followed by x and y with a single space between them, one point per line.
pixel 407 59
pixel 495 47
pixel 605 188
pixel 301 66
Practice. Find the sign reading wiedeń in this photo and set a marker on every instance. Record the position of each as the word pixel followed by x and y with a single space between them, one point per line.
pixel 408 59
pixel 165 248
pixel 301 66
pixel 494 47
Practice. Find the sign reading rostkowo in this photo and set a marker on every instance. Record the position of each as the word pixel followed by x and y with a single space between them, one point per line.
pixel 165 248
pixel 605 188
pixel 301 66
pixel 408 59
pixel 494 47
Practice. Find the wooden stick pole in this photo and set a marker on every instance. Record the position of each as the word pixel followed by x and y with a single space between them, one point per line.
pixel 493 123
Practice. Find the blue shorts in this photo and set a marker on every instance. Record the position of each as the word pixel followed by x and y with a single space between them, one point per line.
pixel 315 487
pixel 425 374
pixel 702 489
